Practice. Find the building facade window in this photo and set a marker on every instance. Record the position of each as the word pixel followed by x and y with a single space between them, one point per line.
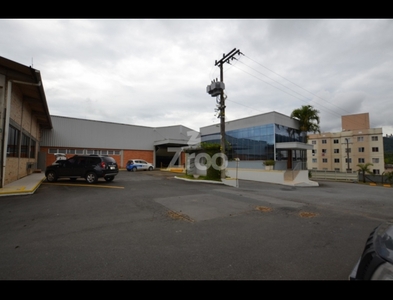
pixel 324 160
pixel 84 151
pixel 348 160
pixel 324 151
pixel 24 147
pixel 13 142
pixel 376 171
pixel 361 149
pixel 314 160
pixel 374 138
pixel 374 149
pixel 335 141
pixel 255 143
pixel 360 139
pixel 361 160
pixel 32 148
pixel 314 142
pixel 324 142
pixel 375 160
pixel 336 160
pixel 336 150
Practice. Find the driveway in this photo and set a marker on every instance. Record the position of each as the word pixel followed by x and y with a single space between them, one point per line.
pixel 149 225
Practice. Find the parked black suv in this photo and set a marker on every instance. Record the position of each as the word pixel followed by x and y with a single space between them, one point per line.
pixel 376 261
pixel 91 167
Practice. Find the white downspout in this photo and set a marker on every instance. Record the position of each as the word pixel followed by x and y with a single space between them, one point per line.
pixel 6 128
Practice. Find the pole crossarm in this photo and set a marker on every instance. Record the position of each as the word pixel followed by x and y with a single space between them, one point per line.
pixel 227 57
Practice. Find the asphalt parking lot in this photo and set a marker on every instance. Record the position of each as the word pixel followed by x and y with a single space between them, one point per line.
pixel 151 226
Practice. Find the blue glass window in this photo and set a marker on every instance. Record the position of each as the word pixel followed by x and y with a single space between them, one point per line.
pixel 254 143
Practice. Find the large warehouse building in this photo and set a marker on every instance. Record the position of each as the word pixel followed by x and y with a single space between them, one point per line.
pixel 121 141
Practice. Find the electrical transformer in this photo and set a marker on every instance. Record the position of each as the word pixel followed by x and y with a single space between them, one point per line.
pixel 215 88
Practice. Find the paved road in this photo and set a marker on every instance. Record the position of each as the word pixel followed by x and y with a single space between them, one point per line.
pixel 149 225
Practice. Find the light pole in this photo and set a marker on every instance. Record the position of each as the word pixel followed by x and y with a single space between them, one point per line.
pixel 237 167
pixel 347 154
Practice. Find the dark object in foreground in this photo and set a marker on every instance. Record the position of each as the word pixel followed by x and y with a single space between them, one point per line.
pixel 91 167
pixel 376 261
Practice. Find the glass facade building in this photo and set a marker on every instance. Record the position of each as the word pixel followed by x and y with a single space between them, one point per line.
pixel 270 136
pixel 256 142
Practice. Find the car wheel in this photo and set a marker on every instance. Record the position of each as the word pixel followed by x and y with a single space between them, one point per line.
pixel 133 169
pixel 109 178
pixel 51 176
pixel 150 168
pixel 91 177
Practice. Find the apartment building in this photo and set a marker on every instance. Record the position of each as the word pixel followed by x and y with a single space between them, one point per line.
pixel 357 143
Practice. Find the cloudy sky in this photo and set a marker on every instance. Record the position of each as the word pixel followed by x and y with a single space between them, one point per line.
pixel 154 72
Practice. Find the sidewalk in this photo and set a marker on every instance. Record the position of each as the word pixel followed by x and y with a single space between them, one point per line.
pixel 24 186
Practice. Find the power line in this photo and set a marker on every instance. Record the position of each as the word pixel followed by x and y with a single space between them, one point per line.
pixel 281 89
pixel 325 108
pixel 296 84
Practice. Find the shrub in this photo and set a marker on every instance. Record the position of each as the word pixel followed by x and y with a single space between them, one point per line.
pixel 269 162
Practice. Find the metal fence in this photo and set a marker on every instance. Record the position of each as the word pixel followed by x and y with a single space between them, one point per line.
pixel 352 177
pixel 334 175
pixel 382 179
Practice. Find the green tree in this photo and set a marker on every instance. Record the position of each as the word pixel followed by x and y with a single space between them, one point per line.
pixel 364 168
pixel 211 149
pixel 389 176
pixel 308 120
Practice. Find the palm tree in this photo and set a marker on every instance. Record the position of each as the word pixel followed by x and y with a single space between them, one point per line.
pixel 364 169
pixel 308 119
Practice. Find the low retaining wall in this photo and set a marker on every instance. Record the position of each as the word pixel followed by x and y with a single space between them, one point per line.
pixel 298 178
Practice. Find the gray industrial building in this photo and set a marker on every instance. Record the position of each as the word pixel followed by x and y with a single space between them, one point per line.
pixel 123 141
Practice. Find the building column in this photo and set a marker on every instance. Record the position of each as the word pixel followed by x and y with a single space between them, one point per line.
pixel 289 161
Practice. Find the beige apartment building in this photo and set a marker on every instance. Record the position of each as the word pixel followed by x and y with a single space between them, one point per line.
pixel 357 143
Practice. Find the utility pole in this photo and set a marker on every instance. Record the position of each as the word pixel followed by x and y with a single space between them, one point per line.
pixel 217 88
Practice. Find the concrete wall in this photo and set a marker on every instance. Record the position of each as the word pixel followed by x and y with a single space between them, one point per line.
pixel 296 178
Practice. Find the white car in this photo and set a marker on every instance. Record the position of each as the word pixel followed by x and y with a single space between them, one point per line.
pixel 138 164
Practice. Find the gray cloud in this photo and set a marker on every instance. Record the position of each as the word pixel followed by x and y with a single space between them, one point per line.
pixel 154 72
